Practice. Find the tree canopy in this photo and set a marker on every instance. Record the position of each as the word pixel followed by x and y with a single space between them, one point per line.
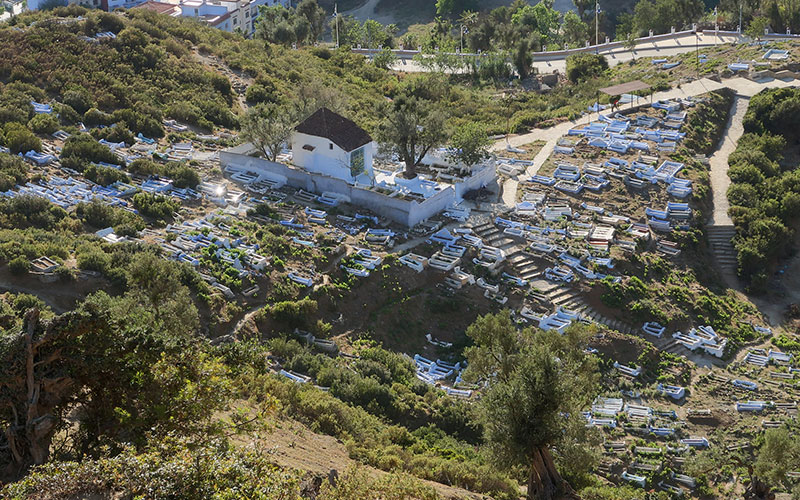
pixel 538 381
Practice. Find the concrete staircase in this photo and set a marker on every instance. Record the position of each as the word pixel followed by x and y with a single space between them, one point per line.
pixel 524 264
pixel 570 298
pixel 719 238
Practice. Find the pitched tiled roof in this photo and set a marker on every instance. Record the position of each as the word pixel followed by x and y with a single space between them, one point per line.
pixel 160 7
pixel 336 128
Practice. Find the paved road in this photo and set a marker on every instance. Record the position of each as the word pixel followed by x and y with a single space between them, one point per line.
pixel 664 48
pixel 680 43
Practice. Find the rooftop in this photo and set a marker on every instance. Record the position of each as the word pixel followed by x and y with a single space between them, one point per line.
pixel 336 128
pixel 159 7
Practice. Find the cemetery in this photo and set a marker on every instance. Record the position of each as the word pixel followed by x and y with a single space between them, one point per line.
pixel 605 237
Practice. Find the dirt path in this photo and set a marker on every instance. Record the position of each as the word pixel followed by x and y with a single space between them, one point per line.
pixel 239 80
pixel 294 445
pixel 719 163
pixel 245 319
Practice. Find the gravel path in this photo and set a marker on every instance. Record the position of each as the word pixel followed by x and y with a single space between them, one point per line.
pixel 719 163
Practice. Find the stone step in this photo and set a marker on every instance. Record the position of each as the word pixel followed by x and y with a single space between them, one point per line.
pixel 721 237
pixel 525 263
pixel 516 255
pixel 559 292
pixel 563 299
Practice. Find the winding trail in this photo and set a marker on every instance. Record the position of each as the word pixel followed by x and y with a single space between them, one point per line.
pixel 744 89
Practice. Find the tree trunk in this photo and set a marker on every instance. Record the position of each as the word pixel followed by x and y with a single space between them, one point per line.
pixel 411 169
pixel 543 485
pixel 544 481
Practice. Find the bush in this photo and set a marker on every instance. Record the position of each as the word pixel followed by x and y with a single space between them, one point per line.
pixel 12 171
pixel 156 206
pixel 78 99
pixel 582 67
pixel 117 133
pixel 257 94
pixel 104 175
pixel 30 211
pixel 81 150
pixel 20 140
pixel 19 265
pixel 43 124
pixel 67 114
pixel 94 260
pixel 182 175
pixel 94 117
pixel 293 314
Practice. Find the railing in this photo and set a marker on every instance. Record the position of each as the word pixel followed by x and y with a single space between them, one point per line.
pixel 608 45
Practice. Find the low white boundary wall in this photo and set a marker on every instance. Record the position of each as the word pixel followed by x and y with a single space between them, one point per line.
pixel 402 211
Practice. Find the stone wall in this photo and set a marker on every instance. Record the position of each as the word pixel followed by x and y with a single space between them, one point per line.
pixel 400 210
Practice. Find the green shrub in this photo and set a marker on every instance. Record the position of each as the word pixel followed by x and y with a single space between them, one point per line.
pixel 20 140
pixel 43 124
pixel 104 175
pixel 19 265
pixel 582 67
pixel 293 313
pixel 156 206
pixel 81 150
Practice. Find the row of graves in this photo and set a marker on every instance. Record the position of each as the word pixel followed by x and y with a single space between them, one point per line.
pixel 648 437
pixel 66 187
pixel 629 198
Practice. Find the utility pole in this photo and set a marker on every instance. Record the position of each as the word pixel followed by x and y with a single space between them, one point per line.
pixel 716 27
pixel 596 27
pixel 697 50
pixel 462 38
pixel 336 22
pixel 740 18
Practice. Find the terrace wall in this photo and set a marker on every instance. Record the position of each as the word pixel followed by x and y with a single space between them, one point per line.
pixel 403 211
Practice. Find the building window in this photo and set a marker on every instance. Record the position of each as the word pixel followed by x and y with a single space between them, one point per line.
pixel 357 162
pixel 247 13
pixel 330 146
pixel 235 20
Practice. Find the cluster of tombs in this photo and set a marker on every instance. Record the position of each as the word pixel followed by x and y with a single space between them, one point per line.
pixel 646 435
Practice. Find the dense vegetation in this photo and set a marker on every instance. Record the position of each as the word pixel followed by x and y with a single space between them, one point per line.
pixel 765 190
pixel 134 81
